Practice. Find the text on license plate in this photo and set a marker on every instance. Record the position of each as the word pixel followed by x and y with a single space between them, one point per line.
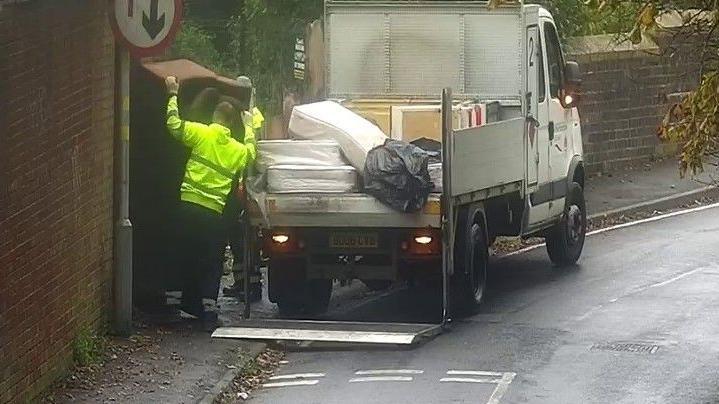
pixel 353 240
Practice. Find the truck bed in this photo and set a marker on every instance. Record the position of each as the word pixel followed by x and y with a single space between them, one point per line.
pixel 487 162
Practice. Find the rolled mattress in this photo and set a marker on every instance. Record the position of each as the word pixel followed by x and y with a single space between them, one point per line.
pixel 286 179
pixel 298 152
pixel 329 120
pixel 435 174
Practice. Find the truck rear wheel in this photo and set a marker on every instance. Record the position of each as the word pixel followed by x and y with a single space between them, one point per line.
pixel 565 241
pixel 470 277
pixel 293 292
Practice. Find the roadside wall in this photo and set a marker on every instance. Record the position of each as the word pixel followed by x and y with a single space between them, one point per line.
pixel 626 93
pixel 56 185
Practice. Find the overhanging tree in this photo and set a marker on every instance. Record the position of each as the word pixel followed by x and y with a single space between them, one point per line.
pixel 692 123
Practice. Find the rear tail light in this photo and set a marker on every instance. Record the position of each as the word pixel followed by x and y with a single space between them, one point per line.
pixel 423 242
pixel 280 238
pixel 282 242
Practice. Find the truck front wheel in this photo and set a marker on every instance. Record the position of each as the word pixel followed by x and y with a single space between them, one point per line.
pixel 565 241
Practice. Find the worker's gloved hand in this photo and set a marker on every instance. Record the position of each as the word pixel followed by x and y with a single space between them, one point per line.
pixel 247 118
pixel 173 86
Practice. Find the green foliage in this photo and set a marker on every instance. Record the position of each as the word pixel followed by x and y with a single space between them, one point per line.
pixel 694 124
pixel 196 44
pixel 263 43
pixel 87 347
pixel 577 18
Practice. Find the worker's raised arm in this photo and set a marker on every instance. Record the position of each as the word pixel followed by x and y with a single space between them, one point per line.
pixel 250 140
pixel 189 133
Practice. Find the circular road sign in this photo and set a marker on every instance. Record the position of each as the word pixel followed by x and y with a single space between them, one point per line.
pixel 146 27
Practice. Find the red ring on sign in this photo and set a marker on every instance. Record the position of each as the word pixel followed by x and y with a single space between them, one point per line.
pixel 138 51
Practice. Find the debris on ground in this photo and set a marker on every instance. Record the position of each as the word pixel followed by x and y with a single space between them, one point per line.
pixel 173 361
pixel 506 245
pixel 252 376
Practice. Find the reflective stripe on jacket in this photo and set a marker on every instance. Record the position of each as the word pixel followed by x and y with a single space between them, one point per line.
pixel 215 160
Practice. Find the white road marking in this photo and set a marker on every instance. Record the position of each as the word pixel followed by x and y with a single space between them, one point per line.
pixel 292 383
pixel 474 373
pixel 298 376
pixel 501 388
pixel 643 289
pixel 621 226
pixel 469 380
pixel 284 362
pixel 654 219
pixel 674 279
pixel 381 379
pixel 389 372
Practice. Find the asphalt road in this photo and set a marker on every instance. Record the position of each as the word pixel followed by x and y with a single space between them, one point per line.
pixel 636 322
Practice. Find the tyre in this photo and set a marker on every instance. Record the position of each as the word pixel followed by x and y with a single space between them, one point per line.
pixel 317 295
pixel 293 293
pixel 377 285
pixel 470 277
pixel 565 241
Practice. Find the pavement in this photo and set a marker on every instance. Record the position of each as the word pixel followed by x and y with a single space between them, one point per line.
pixel 525 325
pixel 637 321
pixel 656 184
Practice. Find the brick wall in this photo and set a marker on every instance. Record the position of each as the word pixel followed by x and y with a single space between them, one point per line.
pixel 56 178
pixel 625 98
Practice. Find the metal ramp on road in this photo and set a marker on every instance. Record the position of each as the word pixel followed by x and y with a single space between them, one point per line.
pixel 330 331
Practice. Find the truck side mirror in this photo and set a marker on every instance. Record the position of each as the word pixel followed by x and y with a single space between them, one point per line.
pixel 572 84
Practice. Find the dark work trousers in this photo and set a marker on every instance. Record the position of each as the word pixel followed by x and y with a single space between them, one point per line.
pixel 234 230
pixel 201 251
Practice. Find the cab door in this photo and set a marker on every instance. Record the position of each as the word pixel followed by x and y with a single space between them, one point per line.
pixel 534 54
pixel 558 118
pixel 537 132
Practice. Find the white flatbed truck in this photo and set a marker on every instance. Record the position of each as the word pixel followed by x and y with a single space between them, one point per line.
pixel 520 176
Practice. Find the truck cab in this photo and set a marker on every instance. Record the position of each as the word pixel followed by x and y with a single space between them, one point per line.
pixel 555 138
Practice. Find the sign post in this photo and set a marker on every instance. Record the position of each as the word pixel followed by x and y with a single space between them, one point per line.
pixel 144 28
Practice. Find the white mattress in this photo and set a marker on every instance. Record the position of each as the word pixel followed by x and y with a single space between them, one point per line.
pixel 328 120
pixel 285 179
pixel 435 174
pixel 298 152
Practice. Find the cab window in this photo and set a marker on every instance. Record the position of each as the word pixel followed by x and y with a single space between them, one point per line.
pixel 554 59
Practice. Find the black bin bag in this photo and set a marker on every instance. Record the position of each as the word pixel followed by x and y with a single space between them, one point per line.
pixel 396 173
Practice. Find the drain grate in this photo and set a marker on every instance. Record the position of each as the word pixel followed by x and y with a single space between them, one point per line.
pixel 624 346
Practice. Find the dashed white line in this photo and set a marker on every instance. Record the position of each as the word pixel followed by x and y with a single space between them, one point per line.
pixel 389 372
pixel 292 383
pixel 474 373
pixel 469 380
pixel 501 388
pixel 381 379
pixel 298 376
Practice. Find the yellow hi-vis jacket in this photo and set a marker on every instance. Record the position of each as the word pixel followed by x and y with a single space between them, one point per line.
pixel 216 158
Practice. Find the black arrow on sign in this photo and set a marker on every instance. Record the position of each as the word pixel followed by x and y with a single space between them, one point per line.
pixel 153 24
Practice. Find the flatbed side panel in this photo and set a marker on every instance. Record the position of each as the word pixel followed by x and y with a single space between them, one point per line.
pixel 366 220
pixel 342 210
pixel 499 146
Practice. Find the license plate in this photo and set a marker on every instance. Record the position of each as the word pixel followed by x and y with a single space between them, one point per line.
pixel 353 240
